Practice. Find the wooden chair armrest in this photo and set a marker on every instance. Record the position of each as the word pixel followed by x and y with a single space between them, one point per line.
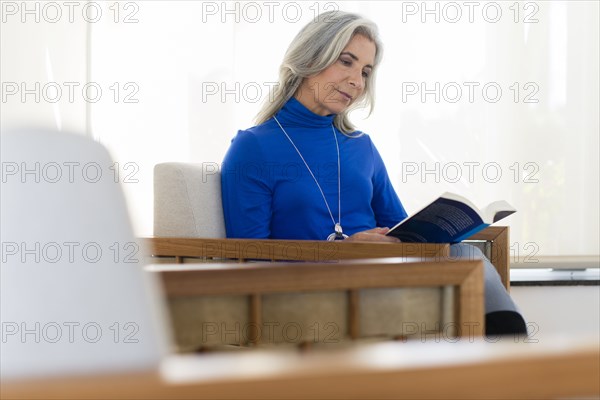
pixel 319 250
pixel 498 236
pixel 288 250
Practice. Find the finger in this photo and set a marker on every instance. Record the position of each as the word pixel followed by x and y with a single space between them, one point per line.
pixel 389 239
pixel 372 237
pixel 378 230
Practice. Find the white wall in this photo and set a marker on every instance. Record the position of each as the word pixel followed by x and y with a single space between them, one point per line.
pixel 572 311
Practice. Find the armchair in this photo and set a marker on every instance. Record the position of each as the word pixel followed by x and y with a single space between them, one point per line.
pixel 189 227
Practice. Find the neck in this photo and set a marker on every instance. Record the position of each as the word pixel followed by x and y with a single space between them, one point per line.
pixel 305 97
pixel 295 113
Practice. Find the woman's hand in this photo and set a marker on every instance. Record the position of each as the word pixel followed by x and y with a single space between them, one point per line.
pixel 373 235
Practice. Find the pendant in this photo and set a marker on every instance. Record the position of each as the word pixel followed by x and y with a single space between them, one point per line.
pixel 338 234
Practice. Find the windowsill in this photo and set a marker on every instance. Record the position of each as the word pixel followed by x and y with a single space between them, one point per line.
pixel 555 277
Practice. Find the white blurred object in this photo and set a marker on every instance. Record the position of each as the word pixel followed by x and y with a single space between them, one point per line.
pixel 74 296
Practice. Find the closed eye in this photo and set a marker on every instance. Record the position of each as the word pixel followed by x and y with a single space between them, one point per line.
pixel 348 63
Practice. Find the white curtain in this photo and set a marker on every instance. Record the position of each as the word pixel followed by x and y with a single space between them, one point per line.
pixel 491 100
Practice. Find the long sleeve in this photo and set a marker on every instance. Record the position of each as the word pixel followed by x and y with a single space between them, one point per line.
pixel 246 191
pixel 386 205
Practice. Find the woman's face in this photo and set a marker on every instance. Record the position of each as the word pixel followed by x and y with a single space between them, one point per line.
pixel 332 90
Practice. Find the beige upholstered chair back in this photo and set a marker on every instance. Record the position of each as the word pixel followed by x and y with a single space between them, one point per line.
pixel 187 200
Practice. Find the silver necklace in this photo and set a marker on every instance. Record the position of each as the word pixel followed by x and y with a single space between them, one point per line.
pixel 338 233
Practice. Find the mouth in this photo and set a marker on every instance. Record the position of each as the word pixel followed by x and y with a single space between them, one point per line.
pixel 346 95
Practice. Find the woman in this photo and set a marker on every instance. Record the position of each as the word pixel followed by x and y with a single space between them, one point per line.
pixel 304 172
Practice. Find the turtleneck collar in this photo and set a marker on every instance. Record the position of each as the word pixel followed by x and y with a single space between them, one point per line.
pixel 294 113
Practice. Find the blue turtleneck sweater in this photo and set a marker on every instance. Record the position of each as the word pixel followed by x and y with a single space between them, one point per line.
pixel 269 193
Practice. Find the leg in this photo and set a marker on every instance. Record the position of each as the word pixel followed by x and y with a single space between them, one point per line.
pixel 501 313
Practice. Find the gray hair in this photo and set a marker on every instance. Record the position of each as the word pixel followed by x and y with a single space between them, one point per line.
pixel 317 46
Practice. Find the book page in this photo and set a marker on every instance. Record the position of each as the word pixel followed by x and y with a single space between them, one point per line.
pixel 497 210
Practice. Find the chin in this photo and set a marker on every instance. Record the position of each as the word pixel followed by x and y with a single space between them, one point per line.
pixel 338 110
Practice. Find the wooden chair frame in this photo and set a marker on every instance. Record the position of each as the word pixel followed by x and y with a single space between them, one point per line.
pixel 308 250
pixel 258 279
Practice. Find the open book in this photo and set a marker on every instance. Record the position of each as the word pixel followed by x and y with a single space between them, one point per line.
pixel 449 219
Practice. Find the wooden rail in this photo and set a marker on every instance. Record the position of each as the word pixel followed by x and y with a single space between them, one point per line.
pixel 308 250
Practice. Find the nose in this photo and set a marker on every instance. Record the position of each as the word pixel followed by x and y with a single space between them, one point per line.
pixel 356 79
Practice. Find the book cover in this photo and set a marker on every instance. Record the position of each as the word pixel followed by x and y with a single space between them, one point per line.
pixel 449 219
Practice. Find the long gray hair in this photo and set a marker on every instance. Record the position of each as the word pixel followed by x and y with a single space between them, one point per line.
pixel 317 46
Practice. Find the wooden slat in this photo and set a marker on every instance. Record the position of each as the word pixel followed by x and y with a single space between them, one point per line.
pixel 207 279
pixel 255 316
pixel 354 314
pixel 500 256
pixel 469 307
